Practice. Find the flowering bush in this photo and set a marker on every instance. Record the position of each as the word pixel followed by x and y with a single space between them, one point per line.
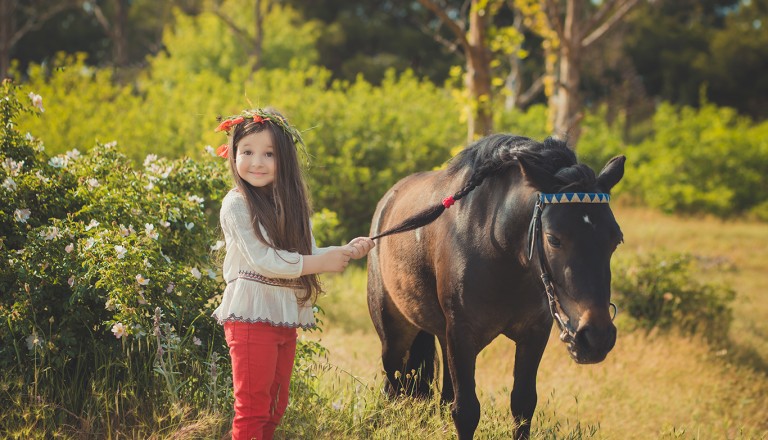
pixel 104 261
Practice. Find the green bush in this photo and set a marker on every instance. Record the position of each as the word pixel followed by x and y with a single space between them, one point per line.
pixel 106 262
pixel 663 291
pixel 706 160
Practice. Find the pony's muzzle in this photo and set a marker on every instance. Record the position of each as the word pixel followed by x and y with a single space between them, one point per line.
pixel 593 342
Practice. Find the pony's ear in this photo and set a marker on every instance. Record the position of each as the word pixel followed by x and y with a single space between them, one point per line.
pixel 612 173
pixel 536 176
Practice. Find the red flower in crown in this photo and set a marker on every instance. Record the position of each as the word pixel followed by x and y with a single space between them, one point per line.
pixel 259 120
pixel 224 126
pixel 227 124
pixel 223 150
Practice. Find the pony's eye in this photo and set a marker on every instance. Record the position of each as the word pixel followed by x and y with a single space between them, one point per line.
pixel 553 241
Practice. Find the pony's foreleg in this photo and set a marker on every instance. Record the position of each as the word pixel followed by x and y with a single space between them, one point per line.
pixel 462 358
pixel 523 397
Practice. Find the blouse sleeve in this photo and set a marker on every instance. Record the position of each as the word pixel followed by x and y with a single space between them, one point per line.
pixel 261 258
pixel 318 250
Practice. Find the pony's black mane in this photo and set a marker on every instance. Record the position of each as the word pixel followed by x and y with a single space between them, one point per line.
pixel 495 153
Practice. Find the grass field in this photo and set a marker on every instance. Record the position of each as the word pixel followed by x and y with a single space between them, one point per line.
pixel 651 385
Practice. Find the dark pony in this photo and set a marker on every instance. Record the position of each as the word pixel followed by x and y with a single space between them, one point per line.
pixel 529 240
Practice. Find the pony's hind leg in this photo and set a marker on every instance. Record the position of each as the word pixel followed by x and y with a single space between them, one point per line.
pixel 421 364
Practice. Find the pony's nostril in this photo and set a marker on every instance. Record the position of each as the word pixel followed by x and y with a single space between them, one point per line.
pixel 590 338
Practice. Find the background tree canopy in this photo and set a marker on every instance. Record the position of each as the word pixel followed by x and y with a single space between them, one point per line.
pixel 380 95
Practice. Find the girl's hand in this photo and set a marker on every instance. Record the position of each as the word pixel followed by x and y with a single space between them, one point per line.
pixel 336 259
pixel 360 247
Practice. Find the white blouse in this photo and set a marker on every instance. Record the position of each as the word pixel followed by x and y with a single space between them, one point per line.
pixel 262 282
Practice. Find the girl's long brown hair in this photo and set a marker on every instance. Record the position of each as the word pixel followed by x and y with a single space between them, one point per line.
pixel 283 207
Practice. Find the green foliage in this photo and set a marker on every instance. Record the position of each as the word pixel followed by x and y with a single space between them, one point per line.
pixel 93 249
pixel 663 291
pixel 706 160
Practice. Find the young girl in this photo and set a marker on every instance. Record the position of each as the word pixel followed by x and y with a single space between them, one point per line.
pixel 271 265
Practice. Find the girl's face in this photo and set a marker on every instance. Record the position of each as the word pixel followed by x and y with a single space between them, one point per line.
pixel 255 159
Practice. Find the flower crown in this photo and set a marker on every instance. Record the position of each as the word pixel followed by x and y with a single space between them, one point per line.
pixel 260 116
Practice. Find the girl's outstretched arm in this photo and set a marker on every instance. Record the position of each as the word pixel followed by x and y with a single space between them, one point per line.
pixel 335 259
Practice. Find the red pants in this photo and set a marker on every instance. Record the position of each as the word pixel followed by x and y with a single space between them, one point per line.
pixel 262 361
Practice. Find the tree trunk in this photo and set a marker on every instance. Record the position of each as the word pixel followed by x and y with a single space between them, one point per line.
pixel 568 102
pixel 119 33
pixel 478 79
pixel 7 29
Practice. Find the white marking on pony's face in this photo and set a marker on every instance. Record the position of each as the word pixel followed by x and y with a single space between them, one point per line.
pixel 418 235
pixel 588 221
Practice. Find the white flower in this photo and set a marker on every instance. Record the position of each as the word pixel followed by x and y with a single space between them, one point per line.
pixel 109 305
pixel 149 186
pixel 9 184
pixel 149 229
pixel 218 245
pixel 41 177
pixel 118 330
pixel 166 172
pixel 21 215
pixel 90 242
pixel 51 233
pixel 196 273
pixel 70 247
pixel 170 287
pixel 37 101
pixel 165 223
pixel 209 149
pixel 196 199
pixel 91 225
pixel 120 252
pixel 92 183
pixel 57 162
pixel 197 341
pixel 150 158
pixel 141 280
pixel 12 166
pixel 189 226
pixel 73 154
pixel 126 231
pixel 211 274
pixel 71 281
pixel 32 340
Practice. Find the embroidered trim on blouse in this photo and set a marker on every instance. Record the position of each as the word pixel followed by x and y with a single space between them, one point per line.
pixel 233 317
pixel 279 282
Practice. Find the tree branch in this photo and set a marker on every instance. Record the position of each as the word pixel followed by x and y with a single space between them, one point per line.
pixel 34 22
pixel 524 98
pixel 445 19
pixel 620 13
pixel 553 15
pixel 241 33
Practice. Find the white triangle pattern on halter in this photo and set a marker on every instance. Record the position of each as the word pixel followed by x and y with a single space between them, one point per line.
pixel 575 198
